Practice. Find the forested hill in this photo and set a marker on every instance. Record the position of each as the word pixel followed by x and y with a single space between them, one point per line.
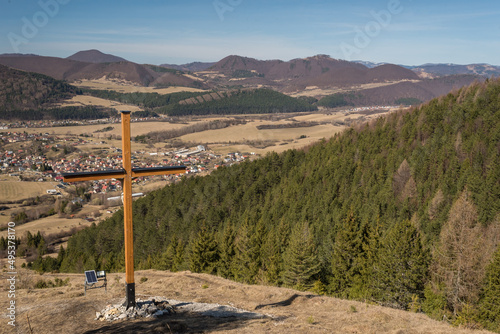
pixel 403 211
pixel 21 90
pixel 250 101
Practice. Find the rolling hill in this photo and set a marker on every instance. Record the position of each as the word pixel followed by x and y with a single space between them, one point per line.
pixel 72 70
pixel 21 90
pixel 439 70
pixel 317 76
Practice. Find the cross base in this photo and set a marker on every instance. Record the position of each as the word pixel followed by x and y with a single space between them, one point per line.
pixel 130 293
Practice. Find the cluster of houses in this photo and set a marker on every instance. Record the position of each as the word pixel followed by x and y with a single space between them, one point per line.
pixel 197 160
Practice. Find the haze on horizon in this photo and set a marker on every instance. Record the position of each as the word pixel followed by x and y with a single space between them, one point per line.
pixel 396 31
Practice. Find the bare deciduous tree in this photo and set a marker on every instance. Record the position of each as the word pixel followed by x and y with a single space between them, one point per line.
pixel 463 253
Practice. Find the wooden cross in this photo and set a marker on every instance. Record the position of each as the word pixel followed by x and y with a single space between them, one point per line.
pixel 126 174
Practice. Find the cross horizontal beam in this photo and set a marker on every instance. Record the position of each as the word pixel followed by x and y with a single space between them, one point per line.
pixel 121 173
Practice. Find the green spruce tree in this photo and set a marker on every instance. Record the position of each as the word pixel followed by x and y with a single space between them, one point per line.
pixel 346 265
pixel 248 259
pixel 204 252
pixel 227 251
pixel 489 302
pixel 402 268
pixel 301 262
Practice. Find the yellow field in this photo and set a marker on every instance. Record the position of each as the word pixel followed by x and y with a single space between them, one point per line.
pixel 126 87
pixel 316 91
pixel 83 100
pixel 55 224
pixel 17 190
pixel 48 225
pixel 218 139
pixel 285 138
pixel 139 128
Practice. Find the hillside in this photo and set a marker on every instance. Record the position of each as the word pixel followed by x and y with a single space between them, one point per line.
pixel 316 76
pixel 438 70
pixel 371 213
pixel 23 90
pixel 321 71
pixel 279 310
pixel 122 71
pixel 417 91
pixel 252 101
pixel 95 56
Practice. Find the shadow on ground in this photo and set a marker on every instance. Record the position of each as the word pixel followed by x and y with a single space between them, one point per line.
pixel 175 323
pixel 285 302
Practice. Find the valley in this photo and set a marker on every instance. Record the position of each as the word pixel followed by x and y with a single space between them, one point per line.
pixel 293 162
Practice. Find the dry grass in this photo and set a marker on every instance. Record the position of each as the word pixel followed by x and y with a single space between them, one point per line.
pixel 84 100
pixel 239 136
pixel 139 128
pixel 288 311
pixel 48 225
pixel 126 87
pixel 316 91
pixel 284 138
pixel 17 190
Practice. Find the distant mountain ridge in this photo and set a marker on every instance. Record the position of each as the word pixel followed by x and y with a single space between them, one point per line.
pixel 316 76
pixel 190 67
pixel 485 70
pixel 73 70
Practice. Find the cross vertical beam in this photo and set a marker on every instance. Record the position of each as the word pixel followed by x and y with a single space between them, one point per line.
pixel 127 210
pixel 125 175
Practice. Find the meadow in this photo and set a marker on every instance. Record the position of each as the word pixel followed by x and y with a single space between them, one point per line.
pixel 243 138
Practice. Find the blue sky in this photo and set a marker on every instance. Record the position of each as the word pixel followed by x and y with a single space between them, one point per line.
pixel 409 32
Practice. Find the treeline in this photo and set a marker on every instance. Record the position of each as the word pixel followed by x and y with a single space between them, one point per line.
pixel 21 90
pixel 146 100
pixel 287 125
pixel 62 113
pixel 258 101
pixel 353 99
pixel 338 100
pixel 403 211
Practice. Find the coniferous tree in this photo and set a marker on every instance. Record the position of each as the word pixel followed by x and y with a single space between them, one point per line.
pixel 167 257
pixel 301 262
pixel 347 256
pixel 402 268
pixel 489 302
pixel 179 257
pixel 227 252
pixel 273 249
pixel 204 253
pixel 248 259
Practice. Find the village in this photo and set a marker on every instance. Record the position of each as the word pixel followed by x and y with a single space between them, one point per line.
pixel 45 157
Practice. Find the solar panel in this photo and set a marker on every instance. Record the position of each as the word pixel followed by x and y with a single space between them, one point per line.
pixel 90 277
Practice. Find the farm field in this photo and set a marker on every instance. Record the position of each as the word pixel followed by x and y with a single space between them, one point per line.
pixel 235 138
pixel 48 225
pixel 18 190
pixel 242 138
pixel 139 128
pixel 124 87
pixel 84 100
